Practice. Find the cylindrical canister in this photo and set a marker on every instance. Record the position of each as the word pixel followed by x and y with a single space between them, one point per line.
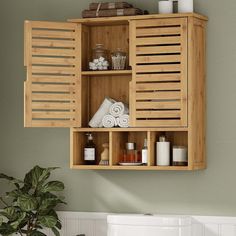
pixel 165 7
pixel 180 157
pixel 185 6
pixel 163 152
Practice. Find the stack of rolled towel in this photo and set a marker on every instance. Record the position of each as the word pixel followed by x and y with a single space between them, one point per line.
pixel 111 114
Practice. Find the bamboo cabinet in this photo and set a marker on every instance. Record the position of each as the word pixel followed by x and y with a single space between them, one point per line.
pixel 164 83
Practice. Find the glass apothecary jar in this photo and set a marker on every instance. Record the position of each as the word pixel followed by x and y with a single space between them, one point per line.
pixel 99 58
pixel 118 59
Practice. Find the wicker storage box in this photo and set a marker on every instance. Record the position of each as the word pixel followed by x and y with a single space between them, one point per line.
pixel 109 5
pixel 112 12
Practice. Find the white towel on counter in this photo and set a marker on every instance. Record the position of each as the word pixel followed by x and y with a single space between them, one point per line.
pixel 118 109
pixel 123 121
pixel 109 121
pixel 96 121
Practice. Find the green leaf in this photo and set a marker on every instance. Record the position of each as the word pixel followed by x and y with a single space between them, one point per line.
pixel 48 204
pixel 47 221
pixel 46 174
pixel 10 213
pixel 6 229
pixel 37 233
pixel 32 177
pixel 12 180
pixel 53 186
pixel 58 225
pixel 14 193
pixel 20 219
pixel 55 231
pixel 27 202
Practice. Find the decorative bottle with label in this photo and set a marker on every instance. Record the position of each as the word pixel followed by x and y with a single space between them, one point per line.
pixel 90 151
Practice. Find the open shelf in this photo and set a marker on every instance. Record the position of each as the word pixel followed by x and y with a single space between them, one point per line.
pixel 117 139
pixel 107 72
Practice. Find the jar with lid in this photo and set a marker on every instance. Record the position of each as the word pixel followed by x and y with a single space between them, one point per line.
pixel 118 59
pixel 99 58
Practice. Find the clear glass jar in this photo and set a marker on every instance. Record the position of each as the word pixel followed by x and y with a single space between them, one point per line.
pixel 118 59
pixel 99 58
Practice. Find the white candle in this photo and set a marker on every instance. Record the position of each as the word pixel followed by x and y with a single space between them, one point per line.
pixel 185 6
pixel 165 7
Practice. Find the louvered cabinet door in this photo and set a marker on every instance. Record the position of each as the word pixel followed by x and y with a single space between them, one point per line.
pixel 52 88
pixel 158 51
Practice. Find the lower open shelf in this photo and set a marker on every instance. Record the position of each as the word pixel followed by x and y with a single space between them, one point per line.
pixel 117 138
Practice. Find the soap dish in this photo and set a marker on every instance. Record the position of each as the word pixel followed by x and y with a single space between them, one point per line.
pixel 130 163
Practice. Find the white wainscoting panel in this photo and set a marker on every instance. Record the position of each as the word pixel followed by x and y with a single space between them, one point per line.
pixel 94 224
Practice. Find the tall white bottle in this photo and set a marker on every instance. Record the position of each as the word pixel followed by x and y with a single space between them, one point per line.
pixel 145 152
pixel 162 152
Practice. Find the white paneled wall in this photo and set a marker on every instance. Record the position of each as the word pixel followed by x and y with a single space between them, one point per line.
pixel 213 226
pixel 94 224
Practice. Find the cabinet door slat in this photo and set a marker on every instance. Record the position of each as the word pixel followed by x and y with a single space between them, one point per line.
pixel 157 86
pixel 157 31
pixel 171 105
pixel 158 40
pixel 158 59
pixel 53 43
pixel 142 50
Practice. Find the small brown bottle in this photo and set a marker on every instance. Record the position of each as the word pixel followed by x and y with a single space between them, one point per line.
pixel 90 151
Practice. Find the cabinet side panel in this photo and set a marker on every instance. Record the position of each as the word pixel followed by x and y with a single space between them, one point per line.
pixel 27 83
pixel 196 92
pixel 132 55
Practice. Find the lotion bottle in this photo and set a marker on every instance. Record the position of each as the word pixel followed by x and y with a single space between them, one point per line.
pixel 163 152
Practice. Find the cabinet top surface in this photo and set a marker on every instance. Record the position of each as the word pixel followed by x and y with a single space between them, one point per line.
pixel 125 19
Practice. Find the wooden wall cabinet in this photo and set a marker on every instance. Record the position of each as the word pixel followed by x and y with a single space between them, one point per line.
pixel 164 85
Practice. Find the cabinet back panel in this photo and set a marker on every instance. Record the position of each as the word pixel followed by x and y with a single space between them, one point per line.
pixel 112 37
pixel 116 87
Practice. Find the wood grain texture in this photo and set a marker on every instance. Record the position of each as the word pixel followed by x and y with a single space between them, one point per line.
pixel 165 87
pixel 196 92
pixel 53 87
pixel 125 19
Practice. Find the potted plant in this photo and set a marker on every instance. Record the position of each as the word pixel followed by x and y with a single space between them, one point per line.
pixel 30 206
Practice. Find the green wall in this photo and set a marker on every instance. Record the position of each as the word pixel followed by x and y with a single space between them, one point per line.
pixel 208 192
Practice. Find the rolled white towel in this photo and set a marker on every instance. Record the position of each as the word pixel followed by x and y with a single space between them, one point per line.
pixel 119 108
pixel 109 121
pixel 96 121
pixel 123 121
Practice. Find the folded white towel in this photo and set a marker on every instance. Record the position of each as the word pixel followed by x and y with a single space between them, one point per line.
pixel 123 121
pixel 109 121
pixel 119 108
pixel 96 121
